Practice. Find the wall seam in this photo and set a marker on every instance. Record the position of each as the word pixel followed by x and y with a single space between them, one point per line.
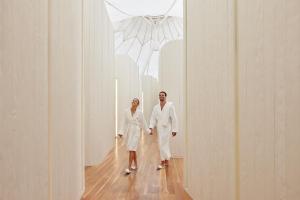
pixel 50 177
pixel 82 98
pixel 186 159
pixel 237 101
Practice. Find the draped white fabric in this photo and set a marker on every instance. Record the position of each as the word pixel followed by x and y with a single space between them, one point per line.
pixel 122 9
pixel 142 27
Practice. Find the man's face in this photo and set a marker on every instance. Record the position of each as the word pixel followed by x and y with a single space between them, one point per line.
pixel 162 96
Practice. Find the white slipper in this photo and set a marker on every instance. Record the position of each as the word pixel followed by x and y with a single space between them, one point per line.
pixel 127 171
pixel 133 168
pixel 159 167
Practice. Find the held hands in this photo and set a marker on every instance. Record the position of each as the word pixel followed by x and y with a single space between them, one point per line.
pixel 120 135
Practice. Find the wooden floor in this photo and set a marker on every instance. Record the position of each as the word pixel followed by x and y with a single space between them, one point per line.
pixel 107 180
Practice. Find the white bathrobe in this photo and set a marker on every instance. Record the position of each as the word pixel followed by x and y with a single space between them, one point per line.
pixel 132 125
pixel 165 121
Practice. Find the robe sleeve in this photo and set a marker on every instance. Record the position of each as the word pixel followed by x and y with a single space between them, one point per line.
pixel 143 123
pixel 153 119
pixel 174 120
pixel 124 124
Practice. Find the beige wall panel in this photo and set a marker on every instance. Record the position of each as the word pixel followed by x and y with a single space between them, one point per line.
pixel 269 38
pixel 65 68
pixel 288 112
pixel 150 88
pixel 99 75
pixel 210 100
pixel 23 100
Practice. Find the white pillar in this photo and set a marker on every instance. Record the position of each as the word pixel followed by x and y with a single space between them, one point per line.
pixel 99 83
pixel 269 62
pixel 243 116
pixel 40 106
pixel 65 84
pixel 23 99
pixel 210 100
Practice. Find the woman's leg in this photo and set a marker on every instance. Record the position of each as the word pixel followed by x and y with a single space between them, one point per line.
pixel 134 159
pixel 130 159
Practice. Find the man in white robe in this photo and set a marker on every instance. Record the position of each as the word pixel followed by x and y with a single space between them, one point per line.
pixel 164 118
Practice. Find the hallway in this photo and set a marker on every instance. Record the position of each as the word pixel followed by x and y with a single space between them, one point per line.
pixel 107 180
pixel 68 71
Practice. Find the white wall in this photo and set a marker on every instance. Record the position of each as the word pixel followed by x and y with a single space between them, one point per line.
pixel 99 75
pixel 269 43
pixel 65 68
pixel 23 99
pixel 210 158
pixel 40 106
pixel 129 86
pixel 150 88
pixel 171 80
pixel 243 103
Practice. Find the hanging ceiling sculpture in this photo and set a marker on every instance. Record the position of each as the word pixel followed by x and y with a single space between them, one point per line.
pixel 141 33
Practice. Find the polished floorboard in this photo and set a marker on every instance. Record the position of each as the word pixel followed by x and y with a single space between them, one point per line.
pixel 107 180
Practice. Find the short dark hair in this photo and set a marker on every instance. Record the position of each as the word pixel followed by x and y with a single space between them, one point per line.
pixel 163 92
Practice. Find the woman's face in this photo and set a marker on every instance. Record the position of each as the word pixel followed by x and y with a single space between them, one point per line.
pixel 135 102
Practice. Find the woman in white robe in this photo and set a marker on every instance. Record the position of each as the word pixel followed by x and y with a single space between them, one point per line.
pixel 134 121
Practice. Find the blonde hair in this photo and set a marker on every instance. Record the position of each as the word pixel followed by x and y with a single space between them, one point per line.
pixel 137 100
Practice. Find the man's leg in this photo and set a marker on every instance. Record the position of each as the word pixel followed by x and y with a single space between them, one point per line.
pixel 166 162
pixel 164 148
